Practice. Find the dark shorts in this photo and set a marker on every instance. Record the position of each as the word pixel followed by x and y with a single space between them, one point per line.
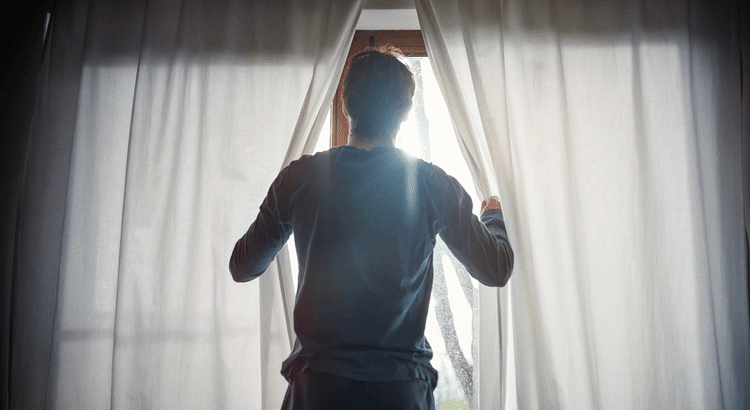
pixel 313 390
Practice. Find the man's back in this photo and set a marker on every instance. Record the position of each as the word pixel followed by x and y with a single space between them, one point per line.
pixel 365 224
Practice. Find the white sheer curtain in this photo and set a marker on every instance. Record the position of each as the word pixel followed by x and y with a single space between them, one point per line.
pixel 613 133
pixel 159 127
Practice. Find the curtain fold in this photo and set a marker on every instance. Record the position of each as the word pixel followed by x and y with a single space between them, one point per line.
pixel 613 135
pixel 37 253
pixel 744 16
pixel 445 27
pixel 160 125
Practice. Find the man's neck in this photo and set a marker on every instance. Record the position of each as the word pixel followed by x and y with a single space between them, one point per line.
pixel 368 144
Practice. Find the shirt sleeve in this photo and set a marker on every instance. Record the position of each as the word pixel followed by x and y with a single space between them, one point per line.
pixel 255 251
pixel 480 245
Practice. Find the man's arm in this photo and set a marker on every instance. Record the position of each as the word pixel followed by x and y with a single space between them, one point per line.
pixel 267 235
pixel 481 246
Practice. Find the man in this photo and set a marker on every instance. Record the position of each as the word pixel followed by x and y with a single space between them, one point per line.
pixel 365 218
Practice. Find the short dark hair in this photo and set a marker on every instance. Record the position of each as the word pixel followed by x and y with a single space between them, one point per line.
pixel 378 91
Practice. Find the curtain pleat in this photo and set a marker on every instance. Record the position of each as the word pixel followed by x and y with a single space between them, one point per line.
pixel 38 252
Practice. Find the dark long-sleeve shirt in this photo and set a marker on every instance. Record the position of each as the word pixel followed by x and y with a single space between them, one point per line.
pixel 365 224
